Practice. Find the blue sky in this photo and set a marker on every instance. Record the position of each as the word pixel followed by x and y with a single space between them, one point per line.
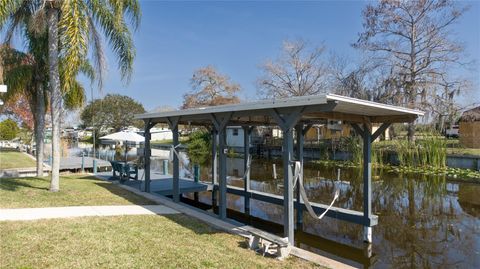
pixel 175 38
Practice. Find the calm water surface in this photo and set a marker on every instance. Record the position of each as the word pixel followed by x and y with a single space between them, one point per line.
pixel 424 221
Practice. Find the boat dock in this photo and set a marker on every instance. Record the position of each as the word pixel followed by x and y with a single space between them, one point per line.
pixel 75 163
pixel 161 184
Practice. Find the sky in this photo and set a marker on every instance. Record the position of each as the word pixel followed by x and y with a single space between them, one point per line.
pixel 176 38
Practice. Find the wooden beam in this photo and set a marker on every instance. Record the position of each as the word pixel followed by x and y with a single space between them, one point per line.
pixel 176 165
pixel 214 166
pixel 334 212
pixel 222 210
pixel 173 122
pixel 247 132
pixel 286 120
pixel 367 180
pixel 393 118
pixel 146 155
pixel 358 129
pixel 380 131
pixel 337 116
pixel 288 213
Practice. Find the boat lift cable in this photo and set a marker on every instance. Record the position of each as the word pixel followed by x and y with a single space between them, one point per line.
pixel 298 178
pixel 247 170
pixel 174 151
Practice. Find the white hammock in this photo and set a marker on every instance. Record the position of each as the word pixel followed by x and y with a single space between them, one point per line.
pixel 298 177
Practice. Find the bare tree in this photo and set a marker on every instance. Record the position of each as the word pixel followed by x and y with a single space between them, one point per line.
pixel 346 79
pixel 210 88
pixel 414 39
pixel 298 71
pixel 444 109
pixel 365 80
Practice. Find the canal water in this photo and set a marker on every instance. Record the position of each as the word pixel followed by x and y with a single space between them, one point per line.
pixel 424 221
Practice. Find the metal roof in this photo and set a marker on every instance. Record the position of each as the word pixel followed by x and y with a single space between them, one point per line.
pixel 312 108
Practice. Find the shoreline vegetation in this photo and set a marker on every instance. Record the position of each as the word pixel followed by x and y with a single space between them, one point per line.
pixel 427 156
pixel 455 174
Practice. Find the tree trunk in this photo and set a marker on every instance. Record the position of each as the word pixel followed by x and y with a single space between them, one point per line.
pixel 55 94
pixel 411 132
pixel 411 104
pixel 39 128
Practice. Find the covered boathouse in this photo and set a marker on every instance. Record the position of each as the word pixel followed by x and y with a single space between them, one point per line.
pixel 295 114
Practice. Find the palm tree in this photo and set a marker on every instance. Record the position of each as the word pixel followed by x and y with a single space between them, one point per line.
pixel 74 27
pixel 26 73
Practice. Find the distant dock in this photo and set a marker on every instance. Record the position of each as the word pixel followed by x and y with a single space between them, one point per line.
pixel 75 163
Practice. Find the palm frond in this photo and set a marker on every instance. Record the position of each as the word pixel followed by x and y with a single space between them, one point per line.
pixel 74 97
pixel 7 7
pixel 73 32
pixel 117 33
pixel 98 52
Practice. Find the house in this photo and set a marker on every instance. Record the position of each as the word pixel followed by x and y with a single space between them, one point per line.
pixel 330 130
pixel 160 133
pixel 235 136
pixel 469 128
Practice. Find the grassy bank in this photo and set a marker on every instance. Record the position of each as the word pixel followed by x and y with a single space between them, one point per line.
pixel 74 190
pixel 174 241
pixel 454 147
pixel 12 159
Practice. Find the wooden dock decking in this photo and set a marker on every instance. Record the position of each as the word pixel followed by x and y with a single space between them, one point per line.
pixel 161 184
pixel 73 163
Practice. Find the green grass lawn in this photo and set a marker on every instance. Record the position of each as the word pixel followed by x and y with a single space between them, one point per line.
pixel 74 191
pixel 12 159
pixel 174 241
pixel 182 139
pixel 454 147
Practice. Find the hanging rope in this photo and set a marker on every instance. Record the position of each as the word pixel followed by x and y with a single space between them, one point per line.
pixel 298 177
pixel 174 151
pixel 249 164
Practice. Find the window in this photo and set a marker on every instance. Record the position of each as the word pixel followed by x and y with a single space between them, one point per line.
pixel 235 132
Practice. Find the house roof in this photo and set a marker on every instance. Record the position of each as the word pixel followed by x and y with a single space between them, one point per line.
pixel 313 109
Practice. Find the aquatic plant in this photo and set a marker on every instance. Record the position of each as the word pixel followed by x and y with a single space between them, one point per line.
pixel 431 151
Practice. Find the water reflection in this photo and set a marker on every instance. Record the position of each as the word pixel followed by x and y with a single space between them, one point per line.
pixel 424 221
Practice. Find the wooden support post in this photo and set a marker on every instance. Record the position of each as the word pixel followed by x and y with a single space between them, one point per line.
pixel 247 132
pixel 367 182
pixel 173 123
pixel 299 150
pixel 176 168
pixel 222 211
pixel 220 122
pixel 196 179
pixel 288 185
pixel 214 167
pixel 286 121
pixel 146 155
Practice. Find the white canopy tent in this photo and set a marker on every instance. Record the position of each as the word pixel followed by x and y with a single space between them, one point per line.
pixel 125 137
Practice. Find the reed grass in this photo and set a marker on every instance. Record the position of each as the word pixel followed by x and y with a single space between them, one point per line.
pixel 430 151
